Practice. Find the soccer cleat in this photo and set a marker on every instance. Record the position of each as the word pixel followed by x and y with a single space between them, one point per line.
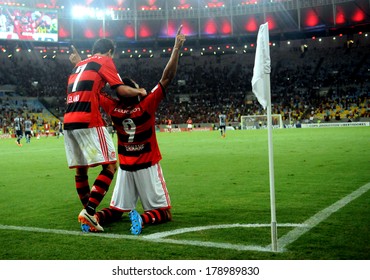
pixel 87 228
pixel 89 222
pixel 136 222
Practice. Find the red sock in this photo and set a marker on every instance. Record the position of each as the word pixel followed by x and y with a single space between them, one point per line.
pixel 156 216
pixel 108 215
pixel 83 188
pixel 99 189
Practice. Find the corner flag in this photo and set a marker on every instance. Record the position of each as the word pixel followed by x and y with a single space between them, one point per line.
pixel 262 66
pixel 261 88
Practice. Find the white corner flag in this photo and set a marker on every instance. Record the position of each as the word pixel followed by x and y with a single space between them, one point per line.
pixel 262 66
pixel 261 88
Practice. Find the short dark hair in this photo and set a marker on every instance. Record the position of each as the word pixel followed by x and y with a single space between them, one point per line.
pixel 130 100
pixel 129 82
pixel 103 46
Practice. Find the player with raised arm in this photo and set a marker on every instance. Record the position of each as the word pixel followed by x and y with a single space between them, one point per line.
pixel 140 174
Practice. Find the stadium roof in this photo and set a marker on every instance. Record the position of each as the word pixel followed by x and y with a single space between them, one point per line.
pixel 141 22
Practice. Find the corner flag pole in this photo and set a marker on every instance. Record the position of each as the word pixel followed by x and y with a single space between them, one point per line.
pixel 261 88
pixel 271 170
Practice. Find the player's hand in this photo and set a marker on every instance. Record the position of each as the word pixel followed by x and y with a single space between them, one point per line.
pixel 180 39
pixel 74 57
pixel 142 92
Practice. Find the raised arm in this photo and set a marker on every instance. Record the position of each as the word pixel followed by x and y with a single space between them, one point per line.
pixel 74 57
pixel 126 91
pixel 169 71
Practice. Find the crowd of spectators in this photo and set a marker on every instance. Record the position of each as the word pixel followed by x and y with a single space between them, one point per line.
pixel 306 84
pixel 38 120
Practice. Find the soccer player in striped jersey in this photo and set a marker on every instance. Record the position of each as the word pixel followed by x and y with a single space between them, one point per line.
pixel 87 140
pixel 190 124
pixel 140 174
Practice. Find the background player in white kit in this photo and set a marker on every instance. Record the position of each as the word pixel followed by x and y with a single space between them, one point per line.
pixel 222 118
pixel 18 127
pixel 140 174
pixel 28 129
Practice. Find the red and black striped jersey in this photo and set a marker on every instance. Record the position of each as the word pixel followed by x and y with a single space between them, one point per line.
pixel 135 126
pixel 85 83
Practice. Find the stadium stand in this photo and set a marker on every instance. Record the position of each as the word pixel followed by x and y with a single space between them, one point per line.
pixel 319 84
pixel 317 79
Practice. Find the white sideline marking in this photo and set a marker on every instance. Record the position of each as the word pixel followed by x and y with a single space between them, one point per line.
pixel 293 235
pixel 159 237
pixel 283 242
pixel 192 229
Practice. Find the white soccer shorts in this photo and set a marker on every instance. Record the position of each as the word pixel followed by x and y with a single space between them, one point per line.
pixel 147 184
pixel 89 147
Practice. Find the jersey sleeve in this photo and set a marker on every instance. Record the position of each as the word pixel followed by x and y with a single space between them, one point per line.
pixel 110 74
pixel 107 102
pixel 154 98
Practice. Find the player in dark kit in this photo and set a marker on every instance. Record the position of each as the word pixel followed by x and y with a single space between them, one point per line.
pixel 140 174
pixel 87 141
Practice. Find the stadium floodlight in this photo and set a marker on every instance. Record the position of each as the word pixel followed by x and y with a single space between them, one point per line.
pixel 93 13
pixel 78 12
pixel 99 14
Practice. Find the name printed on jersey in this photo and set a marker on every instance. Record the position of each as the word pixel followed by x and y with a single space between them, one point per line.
pixel 73 99
pixel 132 148
pixel 126 111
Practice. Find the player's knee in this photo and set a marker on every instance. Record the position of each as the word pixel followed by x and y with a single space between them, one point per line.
pixel 82 171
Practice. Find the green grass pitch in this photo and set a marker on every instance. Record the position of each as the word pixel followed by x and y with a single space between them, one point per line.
pixel 219 189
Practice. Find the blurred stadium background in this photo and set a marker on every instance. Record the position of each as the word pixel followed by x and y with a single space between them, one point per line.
pixel 319 51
